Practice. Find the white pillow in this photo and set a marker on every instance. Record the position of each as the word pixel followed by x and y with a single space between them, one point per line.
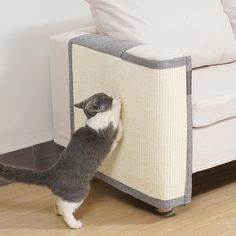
pixel 230 9
pixel 199 28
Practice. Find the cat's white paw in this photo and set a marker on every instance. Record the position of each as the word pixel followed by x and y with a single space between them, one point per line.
pixel 75 224
pixel 117 101
pixel 120 132
pixel 117 104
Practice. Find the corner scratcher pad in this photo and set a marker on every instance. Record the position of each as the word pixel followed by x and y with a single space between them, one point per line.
pixel 153 161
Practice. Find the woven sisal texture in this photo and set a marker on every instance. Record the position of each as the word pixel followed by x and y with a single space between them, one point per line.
pixel 151 158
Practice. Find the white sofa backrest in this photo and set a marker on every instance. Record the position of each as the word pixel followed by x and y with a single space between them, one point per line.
pixel 230 9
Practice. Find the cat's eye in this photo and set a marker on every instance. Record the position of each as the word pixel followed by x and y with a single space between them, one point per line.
pixel 95 107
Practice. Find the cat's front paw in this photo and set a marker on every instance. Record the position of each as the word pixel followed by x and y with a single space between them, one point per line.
pixel 75 224
pixel 117 103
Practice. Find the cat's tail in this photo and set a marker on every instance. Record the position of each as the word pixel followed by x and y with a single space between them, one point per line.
pixel 23 175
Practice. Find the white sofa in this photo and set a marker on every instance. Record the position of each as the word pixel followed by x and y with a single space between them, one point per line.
pixel 160 178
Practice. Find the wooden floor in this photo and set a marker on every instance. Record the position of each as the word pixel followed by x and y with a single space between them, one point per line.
pixel 27 210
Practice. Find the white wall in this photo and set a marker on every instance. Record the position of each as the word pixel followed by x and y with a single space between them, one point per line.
pixel 25 102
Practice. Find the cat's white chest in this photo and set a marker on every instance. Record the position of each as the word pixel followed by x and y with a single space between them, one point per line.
pixel 117 139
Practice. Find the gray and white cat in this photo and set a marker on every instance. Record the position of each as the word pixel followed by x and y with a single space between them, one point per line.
pixel 69 178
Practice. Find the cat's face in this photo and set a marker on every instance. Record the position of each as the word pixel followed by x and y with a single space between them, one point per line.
pixel 97 103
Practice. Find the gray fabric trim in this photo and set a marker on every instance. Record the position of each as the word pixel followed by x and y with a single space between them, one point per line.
pixel 189 64
pixel 118 48
pixel 104 43
pixel 189 75
pixel 72 122
pixel 188 184
pixel 189 82
pixel 139 195
pixel 153 64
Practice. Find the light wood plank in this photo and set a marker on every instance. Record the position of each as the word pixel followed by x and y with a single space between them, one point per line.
pixel 27 210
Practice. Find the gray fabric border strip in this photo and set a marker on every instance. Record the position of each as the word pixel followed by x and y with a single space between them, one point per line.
pixel 118 48
pixel 104 43
pixel 188 184
pixel 72 122
pixel 153 64
pixel 139 195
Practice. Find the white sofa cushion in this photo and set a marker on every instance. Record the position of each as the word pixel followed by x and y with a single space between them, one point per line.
pixel 230 9
pixel 214 94
pixel 214 145
pixel 197 28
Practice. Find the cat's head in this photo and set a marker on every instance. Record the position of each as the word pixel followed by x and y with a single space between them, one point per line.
pixel 95 104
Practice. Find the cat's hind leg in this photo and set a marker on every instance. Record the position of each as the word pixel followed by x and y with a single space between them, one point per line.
pixel 66 210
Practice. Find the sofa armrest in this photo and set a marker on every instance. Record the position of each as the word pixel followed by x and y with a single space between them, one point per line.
pixel 153 161
pixel 147 55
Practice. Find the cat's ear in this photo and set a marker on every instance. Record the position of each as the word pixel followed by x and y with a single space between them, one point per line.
pixel 79 105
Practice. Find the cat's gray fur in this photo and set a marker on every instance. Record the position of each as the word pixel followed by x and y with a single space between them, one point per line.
pixel 69 178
